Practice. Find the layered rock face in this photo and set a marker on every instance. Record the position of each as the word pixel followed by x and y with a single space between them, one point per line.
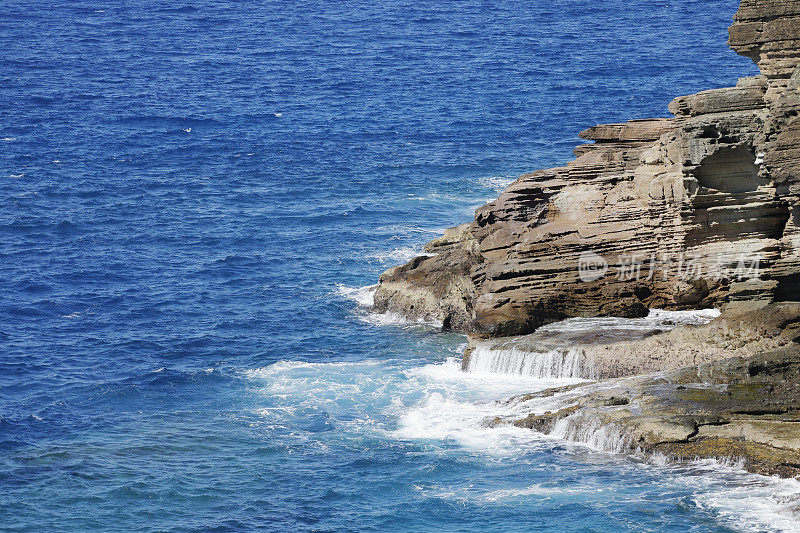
pixel 695 211
pixel 742 408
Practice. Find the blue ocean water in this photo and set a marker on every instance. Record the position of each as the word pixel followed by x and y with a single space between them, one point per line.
pixel 192 195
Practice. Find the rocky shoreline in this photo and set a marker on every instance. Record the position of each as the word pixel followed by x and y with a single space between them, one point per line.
pixel 746 409
pixel 697 211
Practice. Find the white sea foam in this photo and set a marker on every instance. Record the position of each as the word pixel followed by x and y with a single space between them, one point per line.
pixel 474 494
pixel 457 405
pixel 748 502
pixel 497 183
pixel 442 418
pixel 409 230
pixel 657 319
pixel 395 319
pixel 435 405
pixel 533 490
pixel 398 255
pixel 558 363
pixel 363 296
pixel 317 369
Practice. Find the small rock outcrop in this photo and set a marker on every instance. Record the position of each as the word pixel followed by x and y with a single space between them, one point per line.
pixel 437 287
pixel 695 211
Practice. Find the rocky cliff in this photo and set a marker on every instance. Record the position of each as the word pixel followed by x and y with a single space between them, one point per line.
pixel 691 212
pixel 695 211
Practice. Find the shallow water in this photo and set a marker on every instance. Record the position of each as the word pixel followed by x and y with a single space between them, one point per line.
pixel 193 192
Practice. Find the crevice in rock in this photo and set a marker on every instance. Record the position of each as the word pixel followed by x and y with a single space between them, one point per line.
pixel 761 412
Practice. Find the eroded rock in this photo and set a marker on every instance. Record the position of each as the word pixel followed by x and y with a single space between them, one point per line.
pixel 618 352
pixel 745 409
pixel 696 211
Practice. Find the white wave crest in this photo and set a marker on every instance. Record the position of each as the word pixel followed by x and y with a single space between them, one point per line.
pixel 363 296
pixel 398 255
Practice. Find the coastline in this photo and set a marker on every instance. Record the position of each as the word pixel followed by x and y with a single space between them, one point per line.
pixel 696 212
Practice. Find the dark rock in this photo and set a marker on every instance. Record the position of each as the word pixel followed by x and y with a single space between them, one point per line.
pixel 690 291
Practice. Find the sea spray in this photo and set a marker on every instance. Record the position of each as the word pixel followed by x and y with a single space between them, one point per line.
pixel 568 363
pixel 363 296
pixel 594 433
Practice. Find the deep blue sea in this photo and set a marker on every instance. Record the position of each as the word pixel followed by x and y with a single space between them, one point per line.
pixel 193 194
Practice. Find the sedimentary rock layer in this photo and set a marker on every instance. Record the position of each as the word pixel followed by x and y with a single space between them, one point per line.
pixel 594 356
pixel 695 211
pixel 746 409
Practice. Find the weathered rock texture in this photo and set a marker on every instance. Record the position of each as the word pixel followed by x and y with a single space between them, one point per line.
pixel 695 211
pixel 600 355
pixel 745 409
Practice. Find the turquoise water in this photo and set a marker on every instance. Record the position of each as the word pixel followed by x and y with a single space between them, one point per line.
pixel 193 195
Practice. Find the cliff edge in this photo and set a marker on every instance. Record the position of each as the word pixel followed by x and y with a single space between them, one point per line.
pixel 695 211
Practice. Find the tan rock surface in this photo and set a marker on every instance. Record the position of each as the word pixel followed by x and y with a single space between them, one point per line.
pixel 745 409
pixel 699 210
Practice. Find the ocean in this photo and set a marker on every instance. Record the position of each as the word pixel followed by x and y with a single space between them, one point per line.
pixel 196 198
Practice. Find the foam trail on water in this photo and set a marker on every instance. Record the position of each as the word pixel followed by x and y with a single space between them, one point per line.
pixel 559 363
pixel 398 255
pixel 363 296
